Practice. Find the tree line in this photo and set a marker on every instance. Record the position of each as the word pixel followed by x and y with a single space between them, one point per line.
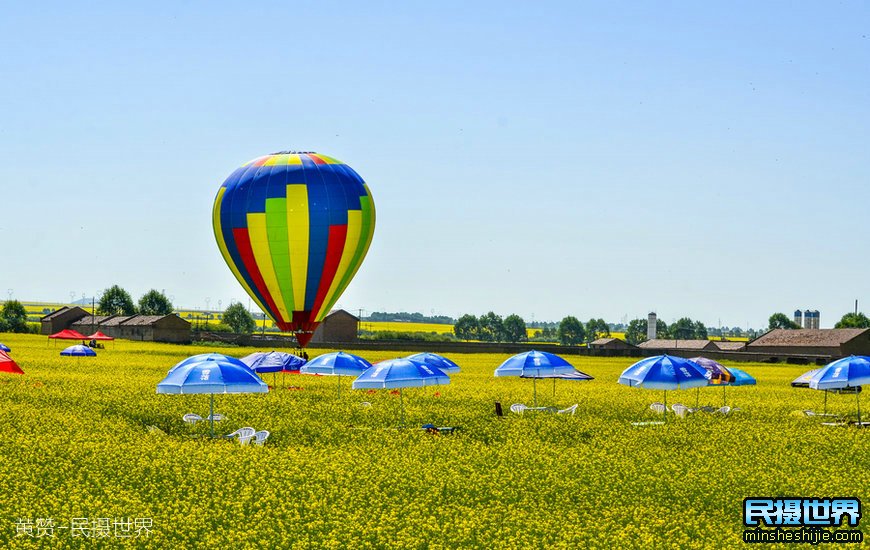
pixel 117 301
pixel 491 327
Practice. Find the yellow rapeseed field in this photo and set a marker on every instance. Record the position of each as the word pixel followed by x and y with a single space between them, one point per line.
pixel 90 439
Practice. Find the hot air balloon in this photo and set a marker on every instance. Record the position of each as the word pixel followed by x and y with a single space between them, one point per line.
pixel 294 228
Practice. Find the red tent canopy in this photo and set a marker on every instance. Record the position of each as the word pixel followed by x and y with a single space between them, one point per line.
pixel 99 336
pixel 8 365
pixel 69 334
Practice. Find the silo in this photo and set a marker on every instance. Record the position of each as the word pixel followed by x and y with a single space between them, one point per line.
pixel 817 317
pixel 808 319
pixel 798 316
pixel 651 326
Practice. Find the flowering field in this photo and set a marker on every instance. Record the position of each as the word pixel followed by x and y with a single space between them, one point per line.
pixel 89 439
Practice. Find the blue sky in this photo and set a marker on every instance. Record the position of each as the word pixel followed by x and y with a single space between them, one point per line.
pixel 591 159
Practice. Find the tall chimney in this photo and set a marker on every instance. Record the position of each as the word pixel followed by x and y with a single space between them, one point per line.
pixel 651 326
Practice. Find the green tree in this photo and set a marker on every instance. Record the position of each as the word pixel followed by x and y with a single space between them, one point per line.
pixel 571 331
pixel 155 303
pixel 491 327
pixel 663 331
pixel 515 328
pixel 239 319
pixel 14 317
pixel 466 327
pixel 781 320
pixel 686 329
pixel 116 301
pixel 596 328
pixel 700 331
pixel 636 331
pixel 853 320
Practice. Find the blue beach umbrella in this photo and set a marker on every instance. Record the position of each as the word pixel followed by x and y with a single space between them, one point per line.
pixel 434 360
pixel 212 375
pixel 741 378
pixel 337 364
pixel 534 364
pixel 5 348
pixel 398 374
pixel 272 361
pixel 79 351
pixel 849 372
pixel 664 372
pixel 803 381
pixel 203 357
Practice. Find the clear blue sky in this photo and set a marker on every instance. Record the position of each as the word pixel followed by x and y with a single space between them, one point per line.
pixel 600 159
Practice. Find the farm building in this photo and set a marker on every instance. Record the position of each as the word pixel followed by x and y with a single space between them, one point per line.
pixel 610 344
pixel 833 342
pixel 725 345
pixel 672 345
pixel 156 328
pixel 61 319
pixel 338 326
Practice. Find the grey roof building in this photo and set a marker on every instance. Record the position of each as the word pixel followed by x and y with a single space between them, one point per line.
pixel 833 342
pixel 339 326
pixel 61 319
pixel 669 345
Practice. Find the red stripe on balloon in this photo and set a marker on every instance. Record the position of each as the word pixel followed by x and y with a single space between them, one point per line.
pixel 243 243
pixel 334 248
pixel 316 160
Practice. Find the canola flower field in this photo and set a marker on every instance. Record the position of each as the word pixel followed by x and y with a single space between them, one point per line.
pixel 90 438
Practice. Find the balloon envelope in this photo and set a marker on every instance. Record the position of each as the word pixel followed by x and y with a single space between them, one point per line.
pixel 294 229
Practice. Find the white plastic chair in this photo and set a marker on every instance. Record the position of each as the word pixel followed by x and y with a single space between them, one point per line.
pixel 191 418
pixel 679 409
pixel 216 417
pixel 244 435
pixel 659 408
pixel 724 410
pixel 570 410
pixel 260 437
pixel 518 408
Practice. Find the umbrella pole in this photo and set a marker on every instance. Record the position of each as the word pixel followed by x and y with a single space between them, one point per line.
pixel 825 411
pixel 211 414
pixel 723 395
pixel 554 389
pixel 697 397
pixel 339 386
pixel 666 405
pixel 535 391
pixel 402 406
pixel 858 402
